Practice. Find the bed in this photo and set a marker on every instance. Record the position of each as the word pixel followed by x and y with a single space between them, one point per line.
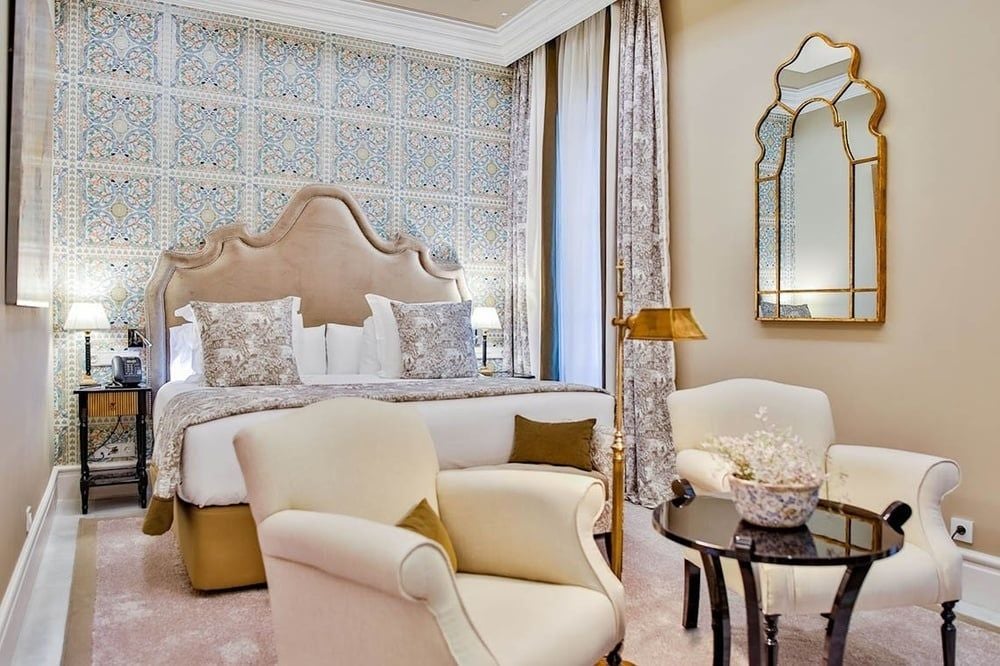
pixel 323 250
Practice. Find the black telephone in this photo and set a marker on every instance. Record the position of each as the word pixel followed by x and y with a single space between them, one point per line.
pixel 126 371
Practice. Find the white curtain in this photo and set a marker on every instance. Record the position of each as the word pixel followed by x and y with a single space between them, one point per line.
pixel 533 226
pixel 579 309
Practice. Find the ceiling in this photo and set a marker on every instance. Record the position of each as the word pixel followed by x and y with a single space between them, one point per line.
pixel 470 29
pixel 487 13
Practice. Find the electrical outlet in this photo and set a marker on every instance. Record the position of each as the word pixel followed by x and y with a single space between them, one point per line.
pixel 28 519
pixel 956 524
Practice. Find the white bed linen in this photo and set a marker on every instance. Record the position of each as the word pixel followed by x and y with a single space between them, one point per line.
pixel 466 432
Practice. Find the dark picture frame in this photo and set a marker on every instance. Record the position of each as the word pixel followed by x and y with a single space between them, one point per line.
pixel 31 61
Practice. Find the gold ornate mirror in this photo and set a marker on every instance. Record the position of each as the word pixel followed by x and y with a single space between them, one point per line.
pixel 821 190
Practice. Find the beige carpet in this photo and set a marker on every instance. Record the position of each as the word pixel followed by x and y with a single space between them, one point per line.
pixel 131 604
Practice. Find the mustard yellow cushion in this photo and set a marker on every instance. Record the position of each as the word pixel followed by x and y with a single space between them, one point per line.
pixel 566 443
pixel 423 520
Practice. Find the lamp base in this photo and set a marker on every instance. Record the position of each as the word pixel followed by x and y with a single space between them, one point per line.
pixel 486 371
pixel 87 380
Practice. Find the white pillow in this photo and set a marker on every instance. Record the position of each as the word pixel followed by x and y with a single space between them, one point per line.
pixel 343 349
pixel 309 345
pixel 185 352
pixel 369 349
pixel 390 360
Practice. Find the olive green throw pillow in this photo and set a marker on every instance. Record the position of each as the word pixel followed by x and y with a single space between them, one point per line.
pixel 566 443
pixel 423 520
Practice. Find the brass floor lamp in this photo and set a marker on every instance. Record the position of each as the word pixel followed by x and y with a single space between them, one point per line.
pixel 663 324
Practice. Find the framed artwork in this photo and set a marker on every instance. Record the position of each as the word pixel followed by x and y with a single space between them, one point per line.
pixel 30 99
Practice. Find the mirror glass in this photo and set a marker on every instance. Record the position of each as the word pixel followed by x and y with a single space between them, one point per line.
pixel 821 191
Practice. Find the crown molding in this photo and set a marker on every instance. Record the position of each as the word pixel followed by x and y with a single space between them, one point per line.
pixel 529 29
pixel 540 22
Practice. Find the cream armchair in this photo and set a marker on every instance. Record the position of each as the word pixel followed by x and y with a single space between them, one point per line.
pixel 326 486
pixel 928 568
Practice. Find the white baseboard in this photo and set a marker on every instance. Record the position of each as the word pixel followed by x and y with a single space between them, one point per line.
pixel 22 579
pixel 63 484
pixel 980 587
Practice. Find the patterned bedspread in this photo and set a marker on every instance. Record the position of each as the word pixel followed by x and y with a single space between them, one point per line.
pixel 209 404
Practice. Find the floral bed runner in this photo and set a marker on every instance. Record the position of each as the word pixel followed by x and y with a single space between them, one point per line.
pixel 209 404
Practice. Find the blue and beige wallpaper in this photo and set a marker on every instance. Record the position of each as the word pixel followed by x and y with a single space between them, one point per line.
pixel 171 122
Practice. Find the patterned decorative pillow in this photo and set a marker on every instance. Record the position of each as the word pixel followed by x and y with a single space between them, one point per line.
pixel 436 340
pixel 247 344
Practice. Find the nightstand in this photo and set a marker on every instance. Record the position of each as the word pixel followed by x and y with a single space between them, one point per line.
pixel 117 403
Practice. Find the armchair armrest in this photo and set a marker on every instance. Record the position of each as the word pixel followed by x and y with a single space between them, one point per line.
pixel 395 562
pixel 382 557
pixel 708 472
pixel 871 477
pixel 530 525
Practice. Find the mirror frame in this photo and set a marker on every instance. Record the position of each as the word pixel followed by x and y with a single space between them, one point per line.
pixel 879 192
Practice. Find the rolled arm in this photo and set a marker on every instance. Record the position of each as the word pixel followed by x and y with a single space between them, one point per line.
pixel 530 525
pixel 396 562
pixel 708 472
pixel 871 477
pixel 382 557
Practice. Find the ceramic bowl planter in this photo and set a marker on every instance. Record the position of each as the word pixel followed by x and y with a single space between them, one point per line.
pixel 774 505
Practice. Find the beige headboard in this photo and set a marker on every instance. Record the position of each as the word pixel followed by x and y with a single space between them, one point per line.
pixel 322 249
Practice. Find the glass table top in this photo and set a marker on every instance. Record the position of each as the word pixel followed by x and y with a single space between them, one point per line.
pixel 835 534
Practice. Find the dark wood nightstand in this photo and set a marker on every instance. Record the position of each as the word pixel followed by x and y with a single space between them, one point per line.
pixel 113 402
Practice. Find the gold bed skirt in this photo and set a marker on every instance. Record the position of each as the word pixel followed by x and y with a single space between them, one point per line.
pixel 218 545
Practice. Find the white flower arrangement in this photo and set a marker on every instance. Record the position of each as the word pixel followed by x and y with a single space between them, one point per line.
pixel 767 455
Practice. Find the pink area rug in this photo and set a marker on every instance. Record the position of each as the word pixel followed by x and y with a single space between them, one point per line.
pixel 131 604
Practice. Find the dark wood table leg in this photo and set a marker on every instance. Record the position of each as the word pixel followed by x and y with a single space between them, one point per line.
pixel 140 452
pixel 744 548
pixel 771 643
pixel 754 630
pixel 692 594
pixel 840 614
pixel 720 609
pixel 83 436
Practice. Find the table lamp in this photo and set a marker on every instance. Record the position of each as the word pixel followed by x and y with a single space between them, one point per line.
pixel 485 319
pixel 87 317
pixel 661 324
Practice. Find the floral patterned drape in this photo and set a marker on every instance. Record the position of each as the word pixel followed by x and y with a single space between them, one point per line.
pixel 520 139
pixel 643 244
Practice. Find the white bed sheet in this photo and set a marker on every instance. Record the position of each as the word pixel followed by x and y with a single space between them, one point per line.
pixel 466 432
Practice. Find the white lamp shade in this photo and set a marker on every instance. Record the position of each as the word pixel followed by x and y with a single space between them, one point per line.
pixel 485 319
pixel 86 317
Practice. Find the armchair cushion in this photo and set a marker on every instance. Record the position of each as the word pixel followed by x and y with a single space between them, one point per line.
pixel 525 622
pixel 424 521
pixel 536 526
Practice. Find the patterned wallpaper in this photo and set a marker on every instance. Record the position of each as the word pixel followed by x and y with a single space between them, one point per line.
pixel 171 122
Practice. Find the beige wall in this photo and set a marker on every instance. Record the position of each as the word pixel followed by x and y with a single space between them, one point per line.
pixel 25 401
pixel 927 379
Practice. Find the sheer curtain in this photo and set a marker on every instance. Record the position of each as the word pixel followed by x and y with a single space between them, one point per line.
pixel 578 233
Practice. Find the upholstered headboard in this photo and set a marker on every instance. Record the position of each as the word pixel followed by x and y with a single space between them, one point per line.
pixel 322 249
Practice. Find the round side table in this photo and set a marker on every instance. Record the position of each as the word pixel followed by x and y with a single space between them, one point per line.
pixel 836 535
